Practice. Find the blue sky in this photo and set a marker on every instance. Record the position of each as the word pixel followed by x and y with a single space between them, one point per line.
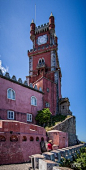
pixel 70 25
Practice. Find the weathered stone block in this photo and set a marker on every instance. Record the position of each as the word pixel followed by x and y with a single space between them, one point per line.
pixel 49 156
pixel 57 155
pixel 35 160
pixel 60 168
pixel 46 164
pixel 62 152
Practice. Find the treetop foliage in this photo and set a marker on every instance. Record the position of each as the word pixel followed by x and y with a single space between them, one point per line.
pixel 43 116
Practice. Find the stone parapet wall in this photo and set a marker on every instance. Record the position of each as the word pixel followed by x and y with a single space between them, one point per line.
pixel 19 140
pixel 52 159
pixel 68 125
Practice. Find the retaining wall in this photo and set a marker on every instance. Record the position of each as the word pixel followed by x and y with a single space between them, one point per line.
pixel 69 126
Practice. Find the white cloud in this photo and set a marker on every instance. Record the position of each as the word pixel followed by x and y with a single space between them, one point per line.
pixel 4 70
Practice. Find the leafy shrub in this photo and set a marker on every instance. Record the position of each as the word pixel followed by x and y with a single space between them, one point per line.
pixel 65 163
pixel 43 116
pixel 79 163
pixel 46 119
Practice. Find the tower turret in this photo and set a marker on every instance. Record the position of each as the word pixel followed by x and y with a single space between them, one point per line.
pixel 44 63
pixel 32 30
pixel 51 24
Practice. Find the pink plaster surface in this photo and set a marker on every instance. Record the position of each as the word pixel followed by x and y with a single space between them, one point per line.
pixel 22 103
pixel 59 138
pixel 19 151
pixel 50 96
pixel 59 83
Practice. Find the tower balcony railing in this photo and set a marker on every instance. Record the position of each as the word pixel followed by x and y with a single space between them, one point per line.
pixel 42 47
pixel 40 65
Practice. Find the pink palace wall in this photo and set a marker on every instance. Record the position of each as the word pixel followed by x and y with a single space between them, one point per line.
pixel 22 103
pixel 16 144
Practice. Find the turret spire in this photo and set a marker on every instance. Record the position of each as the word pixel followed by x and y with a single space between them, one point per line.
pixel 32 21
pixel 51 14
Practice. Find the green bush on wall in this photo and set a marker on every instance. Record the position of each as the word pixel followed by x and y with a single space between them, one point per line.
pixel 43 116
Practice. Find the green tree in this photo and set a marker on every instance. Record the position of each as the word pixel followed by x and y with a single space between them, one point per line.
pixel 43 116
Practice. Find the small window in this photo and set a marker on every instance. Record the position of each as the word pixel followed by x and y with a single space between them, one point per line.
pixel 47 104
pixel 31 138
pixel 24 138
pixel 40 89
pixel 29 117
pixel 48 90
pixel 2 138
pixel 13 138
pixel 63 107
pixel 37 138
pixel 33 101
pixel 11 94
pixel 10 114
pixel 42 139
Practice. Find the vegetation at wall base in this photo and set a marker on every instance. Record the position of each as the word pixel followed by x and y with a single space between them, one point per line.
pixel 77 164
pixel 46 119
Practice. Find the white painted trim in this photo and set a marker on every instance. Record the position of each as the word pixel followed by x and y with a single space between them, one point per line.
pixel 11 94
pixel 31 100
pixel 43 59
pixel 8 114
pixel 28 120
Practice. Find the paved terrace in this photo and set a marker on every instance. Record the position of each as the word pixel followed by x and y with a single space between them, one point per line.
pixel 24 166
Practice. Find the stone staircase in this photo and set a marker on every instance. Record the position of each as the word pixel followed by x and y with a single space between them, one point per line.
pixel 51 160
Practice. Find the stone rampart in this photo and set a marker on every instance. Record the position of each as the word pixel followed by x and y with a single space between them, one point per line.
pixel 69 126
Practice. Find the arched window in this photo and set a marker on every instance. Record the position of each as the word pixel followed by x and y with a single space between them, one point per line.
pixel 40 62
pixel 42 139
pixel 33 101
pixel 2 138
pixel 10 94
pixel 13 138
pixel 31 138
pixel 37 138
pixel 47 104
pixel 40 89
pixel 24 138
pixel 43 61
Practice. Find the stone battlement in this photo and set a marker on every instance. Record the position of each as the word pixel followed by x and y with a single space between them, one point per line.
pixel 45 47
pixel 19 81
pixel 41 28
